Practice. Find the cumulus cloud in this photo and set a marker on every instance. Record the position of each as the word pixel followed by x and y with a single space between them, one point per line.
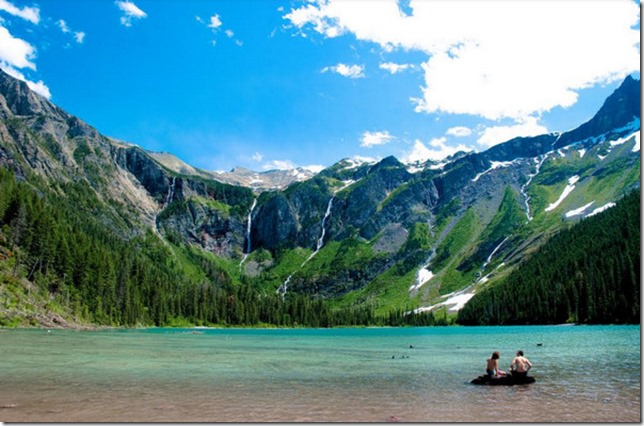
pixel 459 131
pixel 130 11
pixel 16 52
pixel 437 150
pixel 527 126
pixel 31 14
pixel 496 59
pixel 370 139
pixel 351 71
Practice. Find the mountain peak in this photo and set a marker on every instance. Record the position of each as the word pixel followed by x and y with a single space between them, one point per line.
pixel 618 111
pixel 20 99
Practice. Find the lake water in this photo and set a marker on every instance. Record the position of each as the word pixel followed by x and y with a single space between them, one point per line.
pixel 583 373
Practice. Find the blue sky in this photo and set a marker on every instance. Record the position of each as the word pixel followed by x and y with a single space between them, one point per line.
pixel 274 84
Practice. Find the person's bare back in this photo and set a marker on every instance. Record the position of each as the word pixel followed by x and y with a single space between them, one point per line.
pixel 520 364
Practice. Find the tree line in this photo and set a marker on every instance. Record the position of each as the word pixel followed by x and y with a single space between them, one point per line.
pixel 588 274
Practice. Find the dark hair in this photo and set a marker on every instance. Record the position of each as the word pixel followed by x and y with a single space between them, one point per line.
pixel 520 353
pixel 495 355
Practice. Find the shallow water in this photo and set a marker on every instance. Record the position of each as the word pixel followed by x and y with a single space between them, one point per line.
pixel 583 373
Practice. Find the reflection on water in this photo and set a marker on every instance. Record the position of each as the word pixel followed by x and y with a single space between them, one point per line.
pixel 584 374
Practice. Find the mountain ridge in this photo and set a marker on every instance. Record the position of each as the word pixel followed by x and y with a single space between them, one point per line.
pixel 356 233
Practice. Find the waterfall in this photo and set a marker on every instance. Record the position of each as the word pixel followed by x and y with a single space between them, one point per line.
pixel 327 213
pixel 525 186
pixel 249 222
pixel 320 242
pixel 282 288
pixel 168 197
pixel 489 258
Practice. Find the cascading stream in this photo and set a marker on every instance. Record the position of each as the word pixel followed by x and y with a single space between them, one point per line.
pixel 525 186
pixel 249 223
pixel 168 198
pixel 282 288
pixel 489 258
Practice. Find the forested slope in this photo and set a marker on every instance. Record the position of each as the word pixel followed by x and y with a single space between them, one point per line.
pixel 589 274
pixel 57 257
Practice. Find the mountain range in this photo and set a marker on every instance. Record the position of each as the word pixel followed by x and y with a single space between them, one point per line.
pixel 387 235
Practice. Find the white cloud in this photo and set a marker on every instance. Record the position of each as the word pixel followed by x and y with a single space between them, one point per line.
pixel 459 131
pixel 494 58
pixel 395 68
pixel 131 12
pixel 351 71
pixel 215 22
pixel 437 151
pixel 31 14
pixel 279 165
pixel 527 126
pixel 38 87
pixel 370 139
pixel 63 26
pixel 79 36
pixel 257 157
pixel 314 168
pixel 16 52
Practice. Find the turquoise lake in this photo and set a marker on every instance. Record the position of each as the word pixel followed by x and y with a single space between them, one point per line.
pixel 583 373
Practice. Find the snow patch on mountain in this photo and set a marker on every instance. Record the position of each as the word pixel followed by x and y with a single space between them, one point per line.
pixel 455 301
pixel 636 147
pixel 567 190
pixel 621 141
pixel 494 165
pixel 423 276
pixel 579 211
pixel 600 209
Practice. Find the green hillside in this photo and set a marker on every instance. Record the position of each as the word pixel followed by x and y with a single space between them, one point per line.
pixel 589 274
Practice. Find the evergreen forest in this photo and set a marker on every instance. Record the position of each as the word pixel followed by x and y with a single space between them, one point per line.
pixel 588 274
